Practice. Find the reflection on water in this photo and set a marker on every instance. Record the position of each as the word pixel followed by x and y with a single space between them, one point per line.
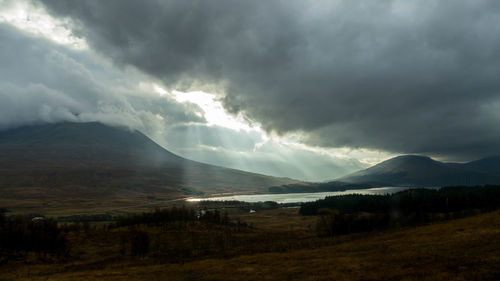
pixel 300 197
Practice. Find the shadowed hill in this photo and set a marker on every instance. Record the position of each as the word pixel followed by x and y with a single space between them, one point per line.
pixel 489 165
pixel 98 160
pixel 81 145
pixel 412 170
pixel 407 170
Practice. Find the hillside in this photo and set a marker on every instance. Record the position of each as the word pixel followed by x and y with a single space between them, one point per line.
pixel 489 165
pixel 92 161
pixel 412 170
pixel 463 249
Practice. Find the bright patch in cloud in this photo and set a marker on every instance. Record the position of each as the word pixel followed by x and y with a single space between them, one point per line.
pixel 159 90
pixel 213 111
pixel 270 151
pixel 35 20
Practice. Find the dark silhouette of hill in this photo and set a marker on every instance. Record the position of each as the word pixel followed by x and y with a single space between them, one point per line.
pixel 413 170
pixel 95 157
pixel 490 165
pixel 72 145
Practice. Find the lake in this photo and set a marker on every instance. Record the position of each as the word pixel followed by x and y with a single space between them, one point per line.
pixel 299 197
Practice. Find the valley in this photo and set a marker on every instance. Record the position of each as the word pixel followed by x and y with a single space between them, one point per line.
pixel 249 140
pixel 115 204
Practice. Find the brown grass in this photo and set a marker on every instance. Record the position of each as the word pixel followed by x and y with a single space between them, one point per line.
pixel 465 249
pixel 78 199
pixel 279 220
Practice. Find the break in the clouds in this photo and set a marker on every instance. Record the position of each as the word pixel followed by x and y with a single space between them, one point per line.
pixel 400 76
pixel 47 75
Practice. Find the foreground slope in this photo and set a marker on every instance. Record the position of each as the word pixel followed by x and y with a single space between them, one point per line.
pixel 93 161
pixel 464 249
pixel 412 170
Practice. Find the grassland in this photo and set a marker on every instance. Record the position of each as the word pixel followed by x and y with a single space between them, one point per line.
pixel 463 249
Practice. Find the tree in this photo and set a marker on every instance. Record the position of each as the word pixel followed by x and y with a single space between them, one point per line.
pixel 139 244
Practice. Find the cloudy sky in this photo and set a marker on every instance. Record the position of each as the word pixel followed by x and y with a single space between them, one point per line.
pixel 305 89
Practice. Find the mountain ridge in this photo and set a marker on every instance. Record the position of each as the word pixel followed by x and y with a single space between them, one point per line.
pixel 93 161
pixel 417 170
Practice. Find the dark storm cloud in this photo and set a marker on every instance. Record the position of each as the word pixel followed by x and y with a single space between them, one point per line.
pixel 402 76
pixel 42 82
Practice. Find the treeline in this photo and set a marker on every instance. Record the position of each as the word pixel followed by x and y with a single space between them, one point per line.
pixel 171 234
pixel 22 234
pixel 179 233
pixel 358 213
pixel 86 218
pixel 241 205
pixel 161 217
pixel 446 199
pixel 319 187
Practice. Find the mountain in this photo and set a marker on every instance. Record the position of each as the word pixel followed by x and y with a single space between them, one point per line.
pixel 92 161
pixel 489 165
pixel 413 170
pixel 79 145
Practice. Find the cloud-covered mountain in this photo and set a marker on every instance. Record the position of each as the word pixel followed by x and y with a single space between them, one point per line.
pixel 42 82
pixel 97 156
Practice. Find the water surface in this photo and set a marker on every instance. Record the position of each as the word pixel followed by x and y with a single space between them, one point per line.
pixel 299 197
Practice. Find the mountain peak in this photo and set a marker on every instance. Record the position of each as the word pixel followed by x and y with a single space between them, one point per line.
pixel 405 162
pixel 94 154
pixel 412 157
pixel 81 144
pixel 416 170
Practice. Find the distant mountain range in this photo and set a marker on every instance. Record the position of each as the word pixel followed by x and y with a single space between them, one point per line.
pixel 94 165
pixel 96 156
pixel 412 170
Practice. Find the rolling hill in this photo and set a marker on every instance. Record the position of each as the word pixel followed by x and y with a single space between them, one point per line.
pixel 92 161
pixel 413 170
pixel 489 165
